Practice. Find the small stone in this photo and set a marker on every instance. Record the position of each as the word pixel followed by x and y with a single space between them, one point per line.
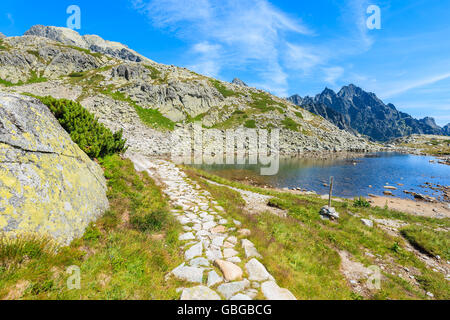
pixel 367 222
pixel 213 254
pixel 430 294
pixel 186 236
pixel 209 225
pixel 240 296
pixel 214 278
pixel 194 251
pixel 273 292
pixel 232 240
pixel 238 223
pixel 244 232
pixel 249 248
pixel 228 245
pixel 183 220
pixel 199 293
pixel 234 260
pixel 230 271
pixel 218 241
pixel 223 221
pixel 256 285
pixel 228 253
pixel 219 229
pixel 256 271
pixel 190 274
pixel 251 293
pixel 230 289
pixel 199 262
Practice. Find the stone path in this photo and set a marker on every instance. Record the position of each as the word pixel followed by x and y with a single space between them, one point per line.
pixel 220 262
pixel 255 203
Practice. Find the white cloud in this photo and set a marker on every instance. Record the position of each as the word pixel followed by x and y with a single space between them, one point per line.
pixel 402 87
pixel 10 18
pixel 249 33
pixel 207 56
pixel 332 74
pixel 302 58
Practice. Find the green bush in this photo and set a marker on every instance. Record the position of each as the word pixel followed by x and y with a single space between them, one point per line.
pixel 92 137
pixel 251 124
pixel 290 124
pixel 361 203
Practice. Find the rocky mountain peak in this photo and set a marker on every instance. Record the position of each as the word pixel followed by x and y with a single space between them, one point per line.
pixel 296 99
pixel 354 109
pixel 429 121
pixel 239 82
pixel 92 42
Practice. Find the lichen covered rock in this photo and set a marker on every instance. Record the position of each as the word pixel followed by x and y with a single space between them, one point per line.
pixel 48 186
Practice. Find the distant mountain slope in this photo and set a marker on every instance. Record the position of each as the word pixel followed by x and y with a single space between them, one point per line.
pixel 356 110
pixel 125 90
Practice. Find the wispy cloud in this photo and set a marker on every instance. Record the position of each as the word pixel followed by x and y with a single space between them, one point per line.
pixel 402 87
pixel 10 18
pixel 332 74
pixel 250 34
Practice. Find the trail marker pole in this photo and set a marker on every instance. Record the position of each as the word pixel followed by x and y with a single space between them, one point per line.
pixel 331 192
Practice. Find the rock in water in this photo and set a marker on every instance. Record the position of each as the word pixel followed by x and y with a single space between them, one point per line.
pixel 48 185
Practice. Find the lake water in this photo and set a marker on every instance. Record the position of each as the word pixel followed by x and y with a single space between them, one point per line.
pixel 353 177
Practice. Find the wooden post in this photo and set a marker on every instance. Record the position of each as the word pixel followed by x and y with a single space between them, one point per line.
pixel 331 192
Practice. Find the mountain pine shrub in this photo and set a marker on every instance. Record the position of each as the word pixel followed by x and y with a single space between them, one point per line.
pixel 92 137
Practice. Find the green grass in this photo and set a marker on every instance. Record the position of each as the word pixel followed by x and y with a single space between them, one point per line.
pixel 86 51
pixel 290 124
pixel 155 74
pixel 301 251
pixel 226 93
pixel 263 102
pixel 251 124
pixel 3 45
pixel 151 117
pixel 117 259
pixel 154 118
pixel 432 242
pixel 34 78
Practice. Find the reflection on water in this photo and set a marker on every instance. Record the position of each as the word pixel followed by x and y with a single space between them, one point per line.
pixel 353 177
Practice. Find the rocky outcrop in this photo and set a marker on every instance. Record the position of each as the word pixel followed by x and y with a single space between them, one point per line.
pixel 91 42
pixel 2 36
pixel 48 186
pixel 28 57
pixel 239 82
pixel 446 129
pixel 356 110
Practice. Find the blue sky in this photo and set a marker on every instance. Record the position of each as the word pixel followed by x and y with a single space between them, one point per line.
pixel 285 47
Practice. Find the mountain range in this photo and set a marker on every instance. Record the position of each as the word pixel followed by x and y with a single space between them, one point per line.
pixel 358 111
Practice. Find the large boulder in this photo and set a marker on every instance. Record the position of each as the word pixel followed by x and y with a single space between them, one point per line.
pixel 48 185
